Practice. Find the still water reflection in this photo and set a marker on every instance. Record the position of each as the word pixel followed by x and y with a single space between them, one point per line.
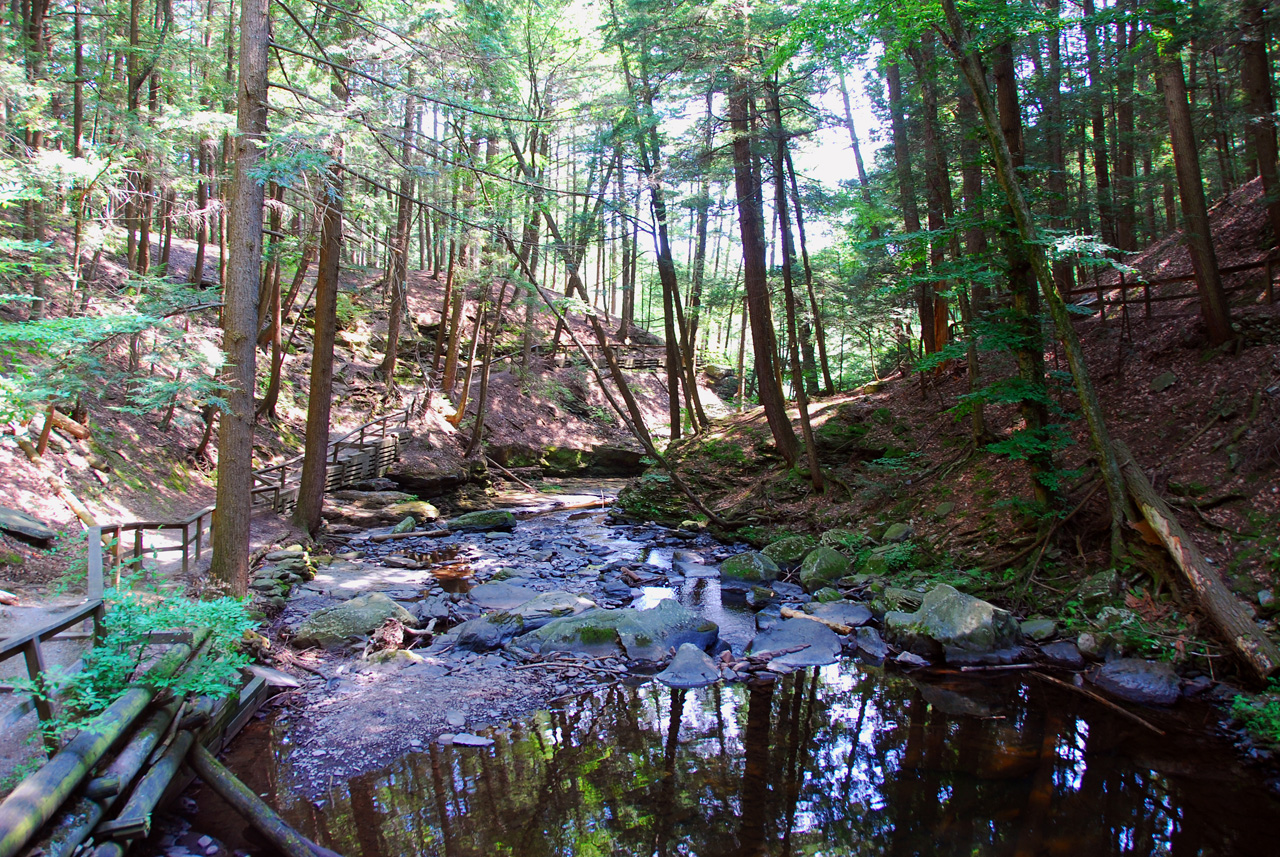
pixel 843 760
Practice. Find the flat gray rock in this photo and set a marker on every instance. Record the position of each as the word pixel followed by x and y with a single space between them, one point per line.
pixel 22 524
pixel 689 668
pixel 871 644
pixel 331 627
pixel 1136 680
pixel 820 644
pixel 1063 654
pixel 466 739
pixel 694 569
pixel 499 596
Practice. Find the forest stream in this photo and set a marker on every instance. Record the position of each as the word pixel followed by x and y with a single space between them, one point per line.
pixel 851 758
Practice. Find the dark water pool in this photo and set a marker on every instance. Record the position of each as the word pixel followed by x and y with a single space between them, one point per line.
pixel 844 760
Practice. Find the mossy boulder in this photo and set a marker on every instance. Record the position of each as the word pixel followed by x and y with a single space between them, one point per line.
pixel 636 634
pixel 955 626
pixel 821 567
pixel 420 510
pixel 750 567
pixel 483 521
pixel 1102 588
pixel 842 540
pixel 791 550
pixel 332 626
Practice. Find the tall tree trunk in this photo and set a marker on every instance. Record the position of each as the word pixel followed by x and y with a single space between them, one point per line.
pixel 958 43
pixel 864 186
pixel 1056 181
pixel 788 266
pixel 907 200
pixel 819 327
pixel 1255 72
pixel 1101 161
pixel 1126 168
pixel 1186 161
pixel 482 399
pixel 399 270
pixel 746 179
pixel 230 538
pixel 975 248
pixel 1028 349
pixel 937 180
pixel 315 459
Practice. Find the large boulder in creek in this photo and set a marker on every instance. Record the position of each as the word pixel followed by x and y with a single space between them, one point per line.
pixel 689 668
pixel 790 551
pixel 822 567
pixel 1136 680
pixel 636 634
pixel 495 630
pixel 817 644
pixel 750 567
pixel 958 627
pixel 483 521
pixel 332 626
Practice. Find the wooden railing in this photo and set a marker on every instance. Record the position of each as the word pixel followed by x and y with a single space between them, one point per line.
pixel 362 453
pixel 1144 287
pixel 29 644
pixel 369 449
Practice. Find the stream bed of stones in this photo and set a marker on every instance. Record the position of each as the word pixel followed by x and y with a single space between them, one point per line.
pixel 512 742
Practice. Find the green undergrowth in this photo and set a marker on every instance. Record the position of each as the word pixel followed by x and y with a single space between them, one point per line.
pixel 1260 714
pixel 121 658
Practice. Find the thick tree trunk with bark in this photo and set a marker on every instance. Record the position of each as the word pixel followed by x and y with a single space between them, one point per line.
pixel 399 270
pixel 230 538
pixel 1101 157
pixel 1025 308
pixel 319 394
pixel 746 178
pixel 1255 71
pixel 1195 214
pixel 788 265
pixel 907 200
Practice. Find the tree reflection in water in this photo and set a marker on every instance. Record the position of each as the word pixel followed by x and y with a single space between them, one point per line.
pixel 842 760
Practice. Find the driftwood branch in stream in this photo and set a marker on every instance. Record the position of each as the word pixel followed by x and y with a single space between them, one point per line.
pixel 290 842
pixel 792 613
pixel 1245 639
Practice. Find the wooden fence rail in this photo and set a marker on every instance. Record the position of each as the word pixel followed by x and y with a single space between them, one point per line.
pixel 1099 290
pixel 362 453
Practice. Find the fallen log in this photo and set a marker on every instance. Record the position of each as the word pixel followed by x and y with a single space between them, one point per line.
pixel 424 534
pixel 70 426
pixel 1245 639
pixel 243 800
pixel 792 613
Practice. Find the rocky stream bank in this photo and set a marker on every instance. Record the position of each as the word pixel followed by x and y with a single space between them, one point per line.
pixel 432 629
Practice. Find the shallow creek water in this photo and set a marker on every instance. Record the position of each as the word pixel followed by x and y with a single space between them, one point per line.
pixel 840 760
